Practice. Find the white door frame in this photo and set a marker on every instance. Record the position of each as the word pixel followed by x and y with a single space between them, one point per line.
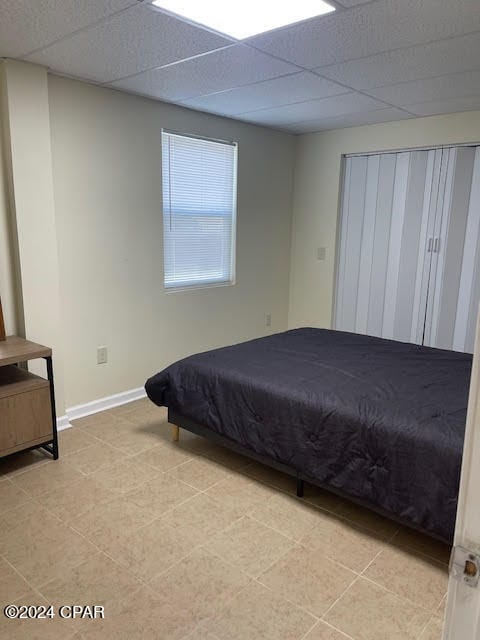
pixel 462 618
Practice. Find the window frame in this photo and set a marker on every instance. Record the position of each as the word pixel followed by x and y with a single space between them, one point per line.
pixel 198 284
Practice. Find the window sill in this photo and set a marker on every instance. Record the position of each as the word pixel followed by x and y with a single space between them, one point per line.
pixel 198 287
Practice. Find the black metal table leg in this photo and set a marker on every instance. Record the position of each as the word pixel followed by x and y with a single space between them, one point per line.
pixel 48 360
pixel 300 487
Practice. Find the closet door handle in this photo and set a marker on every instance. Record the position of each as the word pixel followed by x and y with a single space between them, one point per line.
pixel 436 245
pixel 430 245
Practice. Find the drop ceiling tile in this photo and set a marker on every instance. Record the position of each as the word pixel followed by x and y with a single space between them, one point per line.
pixel 298 87
pixel 369 29
pixel 430 89
pixel 350 120
pixel 438 107
pixel 225 69
pixel 313 109
pixel 27 25
pixel 434 59
pixel 133 41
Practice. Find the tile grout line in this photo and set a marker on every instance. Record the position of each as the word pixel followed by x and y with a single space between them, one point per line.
pixel 276 488
pixel 35 499
pixel 99 549
pixel 423 629
pixel 17 472
pixel 331 626
pixel 30 585
pixel 362 528
pixel 250 577
pixel 365 577
pixel 314 625
pixel 230 473
pixel 282 555
pixel 261 584
pixel 359 575
pixel 283 491
pixel 322 509
pixel 248 514
pixel 36 590
pixel 397 595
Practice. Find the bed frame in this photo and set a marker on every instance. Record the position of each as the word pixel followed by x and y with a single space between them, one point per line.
pixel 176 421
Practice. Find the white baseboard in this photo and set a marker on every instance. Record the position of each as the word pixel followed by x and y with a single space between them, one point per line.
pixel 63 423
pixel 102 404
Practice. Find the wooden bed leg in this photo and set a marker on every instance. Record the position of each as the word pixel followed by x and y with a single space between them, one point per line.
pixel 175 433
pixel 299 488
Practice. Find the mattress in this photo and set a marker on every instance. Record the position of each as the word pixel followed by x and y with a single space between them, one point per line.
pixel 378 420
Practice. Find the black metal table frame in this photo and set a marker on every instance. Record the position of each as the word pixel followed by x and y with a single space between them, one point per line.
pixel 51 445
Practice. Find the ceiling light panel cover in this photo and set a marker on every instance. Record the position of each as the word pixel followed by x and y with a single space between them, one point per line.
pixel 248 17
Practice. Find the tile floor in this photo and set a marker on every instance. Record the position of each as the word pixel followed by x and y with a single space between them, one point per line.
pixel 190 541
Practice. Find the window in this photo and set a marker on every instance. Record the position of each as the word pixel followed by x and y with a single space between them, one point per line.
pixel 199 206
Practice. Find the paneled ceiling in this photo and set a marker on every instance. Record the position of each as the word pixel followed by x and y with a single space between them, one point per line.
pixel 370 61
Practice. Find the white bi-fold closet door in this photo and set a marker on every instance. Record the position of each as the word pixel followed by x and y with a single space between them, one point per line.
pixel 409 247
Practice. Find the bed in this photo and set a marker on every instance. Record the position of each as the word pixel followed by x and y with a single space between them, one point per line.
pixel 377 421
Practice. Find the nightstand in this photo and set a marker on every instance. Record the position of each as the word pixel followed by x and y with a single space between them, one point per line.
pixel 27 402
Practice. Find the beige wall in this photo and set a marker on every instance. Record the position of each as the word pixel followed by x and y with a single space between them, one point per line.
pixel 316 198
pixel 97 235
pixel 6 262
pixel 8 274
pixel 108 202
pixel 26 126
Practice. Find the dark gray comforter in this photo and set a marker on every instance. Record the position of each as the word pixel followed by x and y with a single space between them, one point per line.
pixel 378 420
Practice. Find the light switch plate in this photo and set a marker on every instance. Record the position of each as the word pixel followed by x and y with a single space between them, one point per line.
pixel 102 355
pixel 321 253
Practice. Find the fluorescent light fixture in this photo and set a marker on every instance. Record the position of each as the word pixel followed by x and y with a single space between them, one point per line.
pixel 245 18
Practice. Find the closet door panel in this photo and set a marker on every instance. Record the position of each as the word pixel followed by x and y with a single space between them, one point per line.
pixel 368 235
pixel 443 190
pixel 469 294
pixel 352 224
pixel 386 180
pixel 451 243
pixel 410 255
pixel 430 201
pixel 380 243
pixel 395 244
pixel 339 297
pixel 409 261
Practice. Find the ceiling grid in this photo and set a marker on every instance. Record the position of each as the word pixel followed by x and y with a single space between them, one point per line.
pixel 369 61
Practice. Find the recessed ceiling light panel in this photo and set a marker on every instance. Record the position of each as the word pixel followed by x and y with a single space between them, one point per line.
pixel 245 18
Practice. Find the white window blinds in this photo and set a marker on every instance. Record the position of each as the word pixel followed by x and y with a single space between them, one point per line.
pixel 199 207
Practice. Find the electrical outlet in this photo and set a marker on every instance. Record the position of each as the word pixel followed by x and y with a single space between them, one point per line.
pixel 102 355
pixel 268 320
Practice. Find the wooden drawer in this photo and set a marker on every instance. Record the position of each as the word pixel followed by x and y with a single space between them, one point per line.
pixel 25 410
